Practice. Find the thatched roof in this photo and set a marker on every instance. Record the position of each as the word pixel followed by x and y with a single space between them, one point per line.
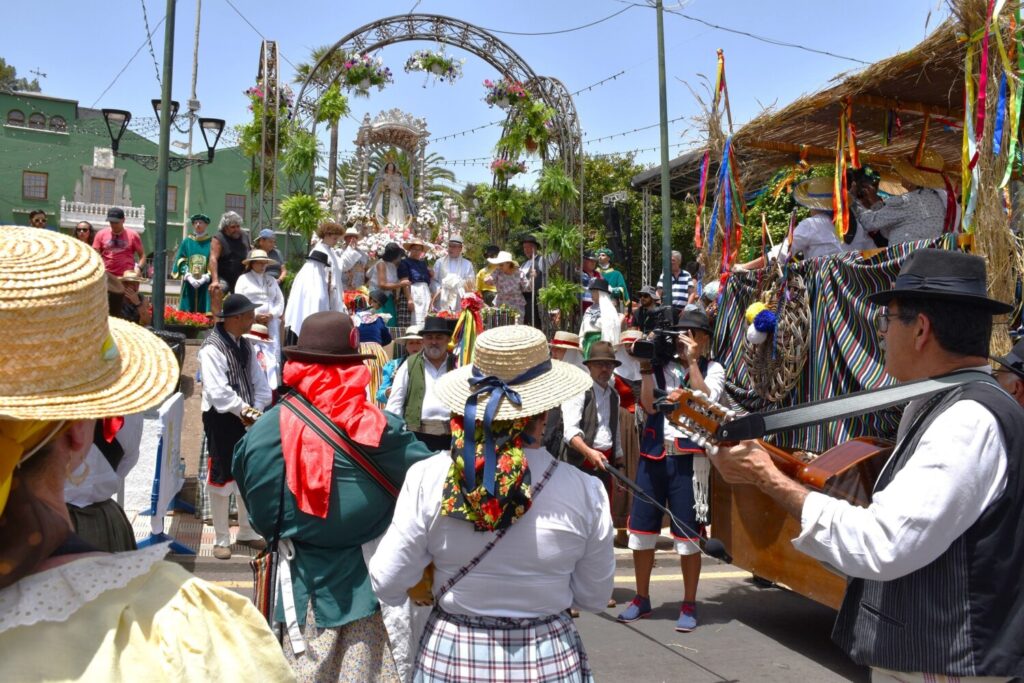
pixel 925 79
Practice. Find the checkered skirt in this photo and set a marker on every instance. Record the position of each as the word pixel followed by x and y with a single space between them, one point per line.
pixel 456 647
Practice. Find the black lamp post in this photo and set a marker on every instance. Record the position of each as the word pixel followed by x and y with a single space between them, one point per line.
pixel 166 110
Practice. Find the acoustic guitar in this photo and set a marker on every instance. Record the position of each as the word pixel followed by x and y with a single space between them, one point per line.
pixel 847 471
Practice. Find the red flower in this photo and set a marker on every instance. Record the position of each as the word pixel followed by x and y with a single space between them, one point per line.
pixel 491 509
pixel 505 463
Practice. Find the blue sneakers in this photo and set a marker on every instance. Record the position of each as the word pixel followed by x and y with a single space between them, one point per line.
pixel 640 608
pixel 687 620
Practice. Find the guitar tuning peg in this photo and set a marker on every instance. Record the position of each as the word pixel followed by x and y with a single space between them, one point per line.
pixel 713 450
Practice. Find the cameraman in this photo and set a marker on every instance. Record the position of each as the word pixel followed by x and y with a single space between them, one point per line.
pixel 648 316
pixel 665 471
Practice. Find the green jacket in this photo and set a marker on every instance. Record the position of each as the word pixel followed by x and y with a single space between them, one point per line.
pixel 616 283
pixel 328 566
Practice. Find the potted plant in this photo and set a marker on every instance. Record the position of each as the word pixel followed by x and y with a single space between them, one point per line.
pixel 506 168
pixel 561 295
pixel 188 324
pixel 554 187
pixel 440 65
pixel 301 213
pixel 361 72
pixel 505 93
pixel 529 130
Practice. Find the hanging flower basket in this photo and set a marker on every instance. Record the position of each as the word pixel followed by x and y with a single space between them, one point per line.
pixel 504 93
pixel 361 72
pixel 438 64
pixel 506 168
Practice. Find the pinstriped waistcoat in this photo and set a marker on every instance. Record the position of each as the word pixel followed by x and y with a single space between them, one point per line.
pixel 963 614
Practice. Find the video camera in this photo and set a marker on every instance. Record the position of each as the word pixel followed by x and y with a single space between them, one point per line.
pixel 660 349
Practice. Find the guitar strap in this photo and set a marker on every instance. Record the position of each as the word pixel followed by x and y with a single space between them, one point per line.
pixel 758 425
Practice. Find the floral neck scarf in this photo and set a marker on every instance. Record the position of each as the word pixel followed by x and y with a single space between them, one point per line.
pixel 512 493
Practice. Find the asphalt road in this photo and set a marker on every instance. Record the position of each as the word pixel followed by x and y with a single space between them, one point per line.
pixel 745 633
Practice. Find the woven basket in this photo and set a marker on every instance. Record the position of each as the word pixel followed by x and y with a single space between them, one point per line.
pixel 774 366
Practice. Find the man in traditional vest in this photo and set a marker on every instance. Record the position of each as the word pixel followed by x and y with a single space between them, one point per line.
pixel 412 393
pixel 935 563
pixel 229 247
pixel 235 391
pixel 1011 374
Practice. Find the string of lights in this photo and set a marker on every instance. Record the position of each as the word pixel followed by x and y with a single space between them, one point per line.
pixel 630 132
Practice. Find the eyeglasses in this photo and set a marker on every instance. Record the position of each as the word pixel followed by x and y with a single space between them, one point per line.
pixel 882 319
pixel 39 220
pixel 81 229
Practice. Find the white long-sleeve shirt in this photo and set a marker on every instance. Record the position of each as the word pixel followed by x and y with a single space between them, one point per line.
pixel 572 417
pixel 558 555
pixel 217 394
pixel 433 409
pixel 262 290
pixel 456 266
pixel 957 470
pixel 316 288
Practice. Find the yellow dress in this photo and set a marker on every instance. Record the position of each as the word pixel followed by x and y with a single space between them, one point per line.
pixel 132 617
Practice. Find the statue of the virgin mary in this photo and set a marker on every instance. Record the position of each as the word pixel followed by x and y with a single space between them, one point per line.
pixel 391 197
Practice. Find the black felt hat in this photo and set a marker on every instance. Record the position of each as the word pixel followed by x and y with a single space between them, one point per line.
pixel 236 304
pixel 944 275
pixel 327 338
pixel 693 319
pixel 437 325
pixel 529 238
pixel 598 283
pixel 1014 360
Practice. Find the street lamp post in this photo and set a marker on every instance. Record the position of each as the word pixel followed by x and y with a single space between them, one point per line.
pixel 666 189
pixel 166 109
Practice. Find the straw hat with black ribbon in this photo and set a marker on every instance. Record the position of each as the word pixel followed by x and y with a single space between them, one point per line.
pixel 68 359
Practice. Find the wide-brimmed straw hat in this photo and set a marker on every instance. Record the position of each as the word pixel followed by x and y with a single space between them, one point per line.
pixel 506 353
pixel 353 232
pixel 927 172
pixel 55 297
pixel 259 332
pixel 412 333
pixel 942 275
pixel 503 257
pixel 257 255
pixel 814 193
pixel 133 275
pixel 413 242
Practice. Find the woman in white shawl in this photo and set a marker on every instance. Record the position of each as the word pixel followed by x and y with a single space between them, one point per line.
pixel 602 321
pixel 262 289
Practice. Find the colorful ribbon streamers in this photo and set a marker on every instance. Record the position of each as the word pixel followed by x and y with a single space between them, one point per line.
pixel 467 327
pixel 703 197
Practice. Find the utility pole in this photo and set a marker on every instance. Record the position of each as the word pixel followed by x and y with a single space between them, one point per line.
pixel 666 189
pixel 193 106
pixel 163 155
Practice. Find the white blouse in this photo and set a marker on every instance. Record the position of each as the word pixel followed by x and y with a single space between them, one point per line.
pixel 558 555
pixel 262 290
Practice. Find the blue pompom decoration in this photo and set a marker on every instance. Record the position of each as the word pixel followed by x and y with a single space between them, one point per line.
pixel 765 321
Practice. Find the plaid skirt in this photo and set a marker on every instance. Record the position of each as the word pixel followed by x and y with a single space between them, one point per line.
pixel 456 647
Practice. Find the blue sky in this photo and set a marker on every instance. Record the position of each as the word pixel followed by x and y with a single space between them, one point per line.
pixel 81 46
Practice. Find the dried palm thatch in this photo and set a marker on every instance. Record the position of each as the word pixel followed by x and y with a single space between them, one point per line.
pixel 993 238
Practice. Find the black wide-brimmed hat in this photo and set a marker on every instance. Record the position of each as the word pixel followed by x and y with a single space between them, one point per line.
pixel 602 351
pixel 693 319
pixel 1014 360
pixel 437 325
pixel 529 238
pixel 944 275
pixel 327 338
pixel 236 304
pixel 599 284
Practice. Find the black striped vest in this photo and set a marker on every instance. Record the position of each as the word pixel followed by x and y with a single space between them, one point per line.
pixel 963 614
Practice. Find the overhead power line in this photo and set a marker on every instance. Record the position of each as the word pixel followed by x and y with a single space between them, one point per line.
pixel 149 41
pixel 128 63
pixel 560 31
pixel 258 32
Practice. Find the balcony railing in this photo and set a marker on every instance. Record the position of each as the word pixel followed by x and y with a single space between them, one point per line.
pixel 72 213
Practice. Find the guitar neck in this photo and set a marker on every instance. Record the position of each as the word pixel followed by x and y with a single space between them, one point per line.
pixel 788 463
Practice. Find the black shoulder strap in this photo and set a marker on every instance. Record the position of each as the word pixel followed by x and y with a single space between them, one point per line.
pixel 325 429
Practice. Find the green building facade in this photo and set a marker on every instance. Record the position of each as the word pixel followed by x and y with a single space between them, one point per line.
pixel 56 157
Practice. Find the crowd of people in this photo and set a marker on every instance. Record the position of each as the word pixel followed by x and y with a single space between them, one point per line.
pixel 400 487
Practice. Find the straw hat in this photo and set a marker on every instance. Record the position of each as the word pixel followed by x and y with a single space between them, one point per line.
pixel 352 232
pixel 69 359
pixel 917 175
pixel 258 332
pixel 502 257
pixel 412 333
pixel 630 336
pixel 133 275
pixel 413 242
pixel 257 255
pixel 814 193
pixel 507 352
pixel 565 340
